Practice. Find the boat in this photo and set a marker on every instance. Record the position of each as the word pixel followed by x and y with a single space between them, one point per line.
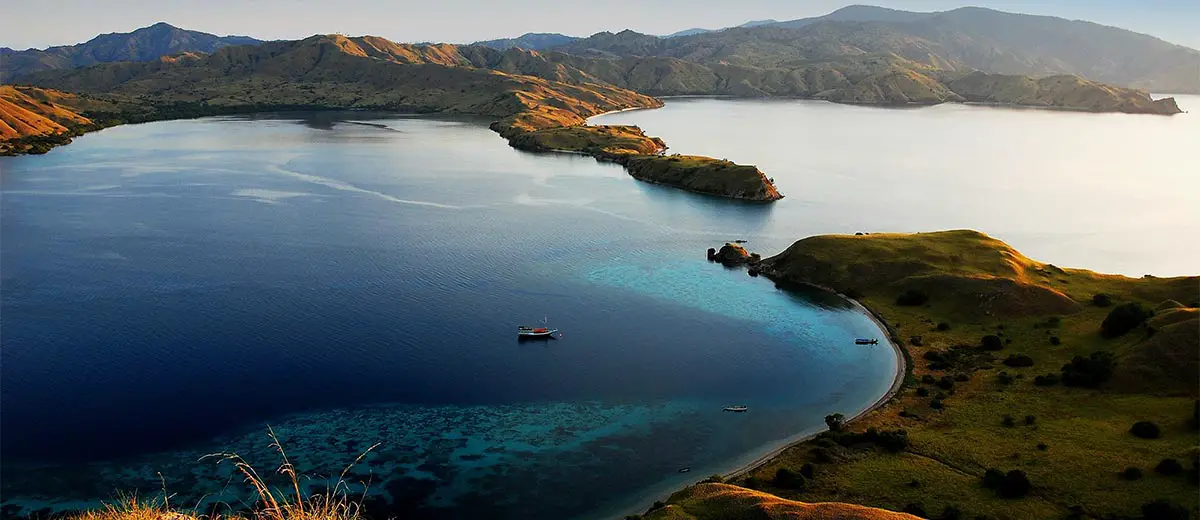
pixel 684 470
pixel 527 332
pixel 736 408
pixel 865 341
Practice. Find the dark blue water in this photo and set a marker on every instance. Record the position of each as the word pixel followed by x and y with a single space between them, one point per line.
pixel 170 289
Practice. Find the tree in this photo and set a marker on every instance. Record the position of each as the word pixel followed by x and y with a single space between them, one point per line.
pixel 1016 485
pixel 1101 300
pixel 836 422
pixel 1123 318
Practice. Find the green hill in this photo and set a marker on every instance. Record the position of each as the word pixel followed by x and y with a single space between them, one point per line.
pixel 1009 372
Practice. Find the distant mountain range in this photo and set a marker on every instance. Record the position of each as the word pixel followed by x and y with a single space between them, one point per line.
pixel 145 44
pixel 531 41
pixel 969 38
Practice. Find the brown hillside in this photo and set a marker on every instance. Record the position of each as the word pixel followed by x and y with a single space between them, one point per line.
pixel 726 502
pixel 26 111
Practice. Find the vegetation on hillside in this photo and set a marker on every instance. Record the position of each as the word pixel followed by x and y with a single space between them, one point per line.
pixel 1020 406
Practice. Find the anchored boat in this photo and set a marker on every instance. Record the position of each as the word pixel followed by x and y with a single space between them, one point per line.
pixel 736 408
pixel 527 332
pixel 865 341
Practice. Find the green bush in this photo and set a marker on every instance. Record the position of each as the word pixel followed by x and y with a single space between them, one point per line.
pixel 1030 420
pixel 922 392
pixel 1131 473
pixel 1018 361
pixel 992 342
pixel 928 379
pixel 752 483
pixel 808 470
pixel 1123 318
pixel 1168 467
pixel 943 326
pixel 1090 371
pixel 1008 421
pixel 788 479
pixel 1145 430
pixel 912 298
pixel 1101 300
pixel 1046 380
pixel 1163 509
pixel 937 404
pixel 1014 484
pixel 1054 340
pixel 946 383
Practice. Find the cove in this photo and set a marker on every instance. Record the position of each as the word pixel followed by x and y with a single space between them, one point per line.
pixel 170 289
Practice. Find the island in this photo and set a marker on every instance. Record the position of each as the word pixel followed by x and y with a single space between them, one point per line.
pixel 1033 391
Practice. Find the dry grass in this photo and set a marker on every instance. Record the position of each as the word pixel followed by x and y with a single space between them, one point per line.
pixel 271 504
pixel 726 502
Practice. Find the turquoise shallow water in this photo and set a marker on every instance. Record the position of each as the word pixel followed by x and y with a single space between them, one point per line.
pixel 170 289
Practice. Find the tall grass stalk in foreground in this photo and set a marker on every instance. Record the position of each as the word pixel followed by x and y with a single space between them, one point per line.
pixel 278 505
pixel 272 504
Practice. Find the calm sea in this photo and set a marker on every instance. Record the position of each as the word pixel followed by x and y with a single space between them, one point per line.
pixel 169 290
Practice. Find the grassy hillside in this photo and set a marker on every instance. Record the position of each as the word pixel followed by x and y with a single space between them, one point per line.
pixel 717 501
pixel 33 120
pixel 996 384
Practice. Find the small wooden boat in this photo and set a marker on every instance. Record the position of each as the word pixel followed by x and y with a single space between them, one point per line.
pixel 527 332
pixel 865 341
pixel 736 408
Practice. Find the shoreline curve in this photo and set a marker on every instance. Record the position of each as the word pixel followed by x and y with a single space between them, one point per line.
pixel 902 368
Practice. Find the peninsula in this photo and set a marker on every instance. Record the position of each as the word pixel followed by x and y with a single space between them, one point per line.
pixel 1035 391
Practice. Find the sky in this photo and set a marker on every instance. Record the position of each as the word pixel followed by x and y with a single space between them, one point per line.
pixel 462 21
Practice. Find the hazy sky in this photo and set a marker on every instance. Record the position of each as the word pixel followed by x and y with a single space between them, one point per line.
pixel 59 22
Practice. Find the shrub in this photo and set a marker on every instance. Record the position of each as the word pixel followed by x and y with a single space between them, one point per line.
pixel 943 326
pixel 912 298
pixel 934 355
pixel 915 341
pixel 993 478
pixel 753 483
pixel 936 404
pixel 1054 340
pixel 1030 420
pixel 946 383
pixel 1090 371
pixel 1046 380
pixel 808 470
pixel 940 365
pixel 1018 360
pixel 1168 467
pixel 788 479
pixel 928 379
pixel 922 392
pixel 1008 421
pixel 915 510
pixel 1194 422
pixel 1016 485
pixel 1163 509
pixel 1101 300
pixel 914 483
pixel 992 342
pixel 892 441
pixel 1123 318
pixel 1145 430
pixel 962 378
pixel 836 422
pixel 950 513
pixel 1043 446
pixel 1004 378
pixel 658 504
pixel 1130 473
